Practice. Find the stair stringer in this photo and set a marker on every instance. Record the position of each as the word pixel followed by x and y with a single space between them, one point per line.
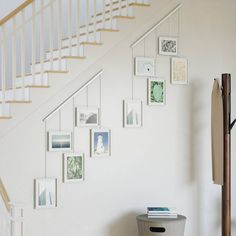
pixel 79 70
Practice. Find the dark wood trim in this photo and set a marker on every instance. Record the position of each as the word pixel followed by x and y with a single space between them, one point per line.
pixel 226 188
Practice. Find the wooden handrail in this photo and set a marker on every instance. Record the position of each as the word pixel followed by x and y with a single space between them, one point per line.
pixel 15 12
pixel 4 195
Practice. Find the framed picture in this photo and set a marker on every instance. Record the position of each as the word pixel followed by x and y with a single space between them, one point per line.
pixel 73 167
pixel 144 66
pixel 45 193
pixel 168 46
pixel 156 92
pixel 87 116
pixel 59 141
pixel 179 70
pixel 100 142
pixel 133 113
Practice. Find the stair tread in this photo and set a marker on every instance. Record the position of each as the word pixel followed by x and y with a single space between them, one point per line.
pixel 5 117
pixel 122 7
pixel 17 101
pixel 45 72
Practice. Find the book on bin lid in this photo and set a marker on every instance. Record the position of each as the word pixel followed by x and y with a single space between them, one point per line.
pixel 161 210
pixel 163 216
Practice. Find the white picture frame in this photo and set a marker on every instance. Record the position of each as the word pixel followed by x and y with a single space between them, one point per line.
pixel 87 116
pixel 132 113
pixel 100 142
pixel 179 71
pixel 59 141
pixel 168 46
pixel 73 167
pixel 156 92
pixel 45 192
pixel 144 66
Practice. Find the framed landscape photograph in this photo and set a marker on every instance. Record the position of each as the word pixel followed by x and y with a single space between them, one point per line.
pixel 144 66
pixel 132 113
pixel 73 167
pixel 45 193
pixel 59 141
pixel 100 142
pixel 168 46
pixel 87 116
pixel 179 70
pixel 156 92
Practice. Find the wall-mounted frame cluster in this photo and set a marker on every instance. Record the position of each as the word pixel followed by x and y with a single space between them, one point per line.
pixel 146 67
pixel 63 142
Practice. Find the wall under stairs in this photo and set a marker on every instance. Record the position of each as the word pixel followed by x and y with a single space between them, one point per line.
pixel 167 162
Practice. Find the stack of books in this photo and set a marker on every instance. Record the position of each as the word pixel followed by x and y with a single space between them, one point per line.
pixel 162 212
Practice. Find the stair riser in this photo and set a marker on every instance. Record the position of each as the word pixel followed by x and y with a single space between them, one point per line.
pixel 17 95
pixel 84 38
pixel 124 11
pixel 30 81
pixel 66 52
pixel 56 66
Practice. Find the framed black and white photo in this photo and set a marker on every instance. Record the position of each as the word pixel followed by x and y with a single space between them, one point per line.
pixel 168 46
pixel 59 141
pixel 132 113
pixel 87 116
pixel 179 70
pixel 45 193
pixel 144 66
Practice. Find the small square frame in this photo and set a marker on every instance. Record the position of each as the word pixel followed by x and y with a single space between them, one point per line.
pixel 145 66
pixel 80 110
pixel 168 46
pixel 59 145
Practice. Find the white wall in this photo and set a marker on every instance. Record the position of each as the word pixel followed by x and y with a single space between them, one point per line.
pixel 167 162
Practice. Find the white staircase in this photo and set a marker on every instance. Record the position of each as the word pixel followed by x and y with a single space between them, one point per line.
pixel 50 37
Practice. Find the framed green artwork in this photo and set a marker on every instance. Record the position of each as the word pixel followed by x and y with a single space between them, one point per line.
pixel 73 167
pixel 156 92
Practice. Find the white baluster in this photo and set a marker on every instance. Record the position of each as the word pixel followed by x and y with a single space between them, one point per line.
pixel 111 12
pixel 33 56
pixel 12 222
pixel 23 53
pixel 120 7
pixel 70 26
pixel 42 40
pixel 22 221
pixel 3 66
pixel 87 20
pixel 51 32
pixel 78 28
pixel 59 33
pixel 127 7
pixel 14 58
pixel 95 19
pixel 104 14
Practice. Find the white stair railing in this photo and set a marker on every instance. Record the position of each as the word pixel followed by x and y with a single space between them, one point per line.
pixel 39 35
pixel 11 215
